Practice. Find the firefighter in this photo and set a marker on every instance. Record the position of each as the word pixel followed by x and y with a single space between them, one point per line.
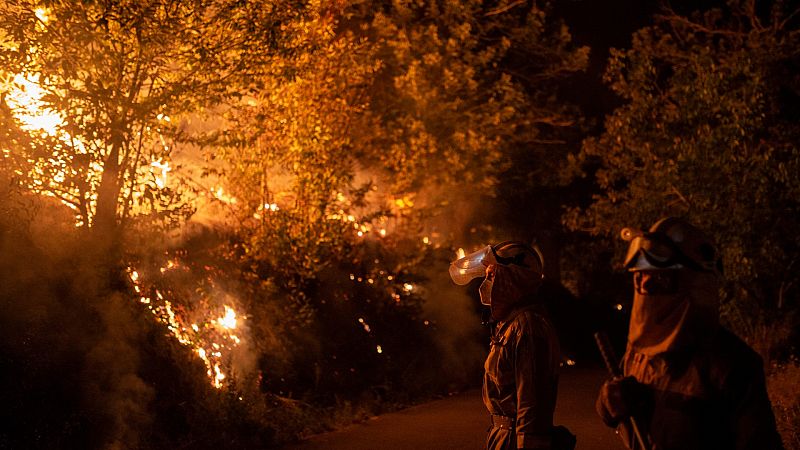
pixel 521 372
pixel 687 382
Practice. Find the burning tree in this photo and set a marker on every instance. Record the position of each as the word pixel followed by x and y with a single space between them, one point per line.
pixel 343 127
pixel 112 78
pixel 343 160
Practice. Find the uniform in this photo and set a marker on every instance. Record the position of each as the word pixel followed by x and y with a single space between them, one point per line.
pixel 688 383
pixel 521 381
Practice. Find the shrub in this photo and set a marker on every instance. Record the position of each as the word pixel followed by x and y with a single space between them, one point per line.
pixel 782 385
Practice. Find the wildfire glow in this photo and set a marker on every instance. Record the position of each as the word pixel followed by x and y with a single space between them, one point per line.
pixel 41 14
pixel 229 320
pixel 208 334
pixel 161 179
pixel 24 99
pixel 219 193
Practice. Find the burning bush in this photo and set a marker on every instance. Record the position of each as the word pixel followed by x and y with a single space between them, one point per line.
pixel 85 366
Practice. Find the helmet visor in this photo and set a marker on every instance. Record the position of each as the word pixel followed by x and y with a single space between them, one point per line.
pixel 466 269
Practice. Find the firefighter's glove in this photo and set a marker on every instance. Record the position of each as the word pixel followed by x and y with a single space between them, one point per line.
pixel 619 399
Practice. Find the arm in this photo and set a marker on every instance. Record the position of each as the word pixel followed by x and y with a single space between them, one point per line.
pixel 535 379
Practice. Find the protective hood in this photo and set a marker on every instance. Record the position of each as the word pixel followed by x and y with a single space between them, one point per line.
pixel 671 322
pixel 512 284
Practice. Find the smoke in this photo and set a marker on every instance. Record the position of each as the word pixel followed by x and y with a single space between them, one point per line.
pixel 70 346
pixel 458 328
pixel 113 390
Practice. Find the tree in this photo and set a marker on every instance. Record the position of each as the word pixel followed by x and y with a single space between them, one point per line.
pixel 341 157
pixel 115 73
pixel 465 93
pixel 706 132
pixel 384 115
pixel 288 154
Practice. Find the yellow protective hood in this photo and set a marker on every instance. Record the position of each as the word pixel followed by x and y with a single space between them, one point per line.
pixel 663 323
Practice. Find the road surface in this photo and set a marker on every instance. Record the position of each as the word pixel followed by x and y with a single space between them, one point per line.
pixel 460 422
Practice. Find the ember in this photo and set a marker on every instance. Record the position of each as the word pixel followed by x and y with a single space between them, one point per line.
pixel 196 323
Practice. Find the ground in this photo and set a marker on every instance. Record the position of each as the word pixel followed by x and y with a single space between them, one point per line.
pixel 460 422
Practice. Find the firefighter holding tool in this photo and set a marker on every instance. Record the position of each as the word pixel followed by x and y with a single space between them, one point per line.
pixel 688 382
pixel 521 372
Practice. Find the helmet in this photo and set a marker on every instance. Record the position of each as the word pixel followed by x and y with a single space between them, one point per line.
pixel 671 243
pixel 518 253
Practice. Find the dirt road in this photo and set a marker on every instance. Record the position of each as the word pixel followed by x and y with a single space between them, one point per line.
pixel 460 422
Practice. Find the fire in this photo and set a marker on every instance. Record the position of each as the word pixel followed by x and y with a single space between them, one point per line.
pixel 24 98
pixel 23 94
pixel 210 334
pixel 229 319
pixel 41 14
pixel 220 194
pixel 161 179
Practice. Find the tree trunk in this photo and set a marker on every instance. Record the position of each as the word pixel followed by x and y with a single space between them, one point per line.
pixel 105 219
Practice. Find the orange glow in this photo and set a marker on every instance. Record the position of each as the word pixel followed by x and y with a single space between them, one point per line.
pixel 24 97
pixel 161 179
pixel 210 335
pixel 229 320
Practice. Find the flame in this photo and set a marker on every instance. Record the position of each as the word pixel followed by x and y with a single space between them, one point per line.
pixel 219 193
pixel 23 95
pixel 41 14
pixel 161 180
pixel 24 98
pixel 404 202
pixel 211 340
pixel 229 319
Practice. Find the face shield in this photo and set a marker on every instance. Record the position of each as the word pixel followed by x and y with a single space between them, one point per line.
pixel 466 269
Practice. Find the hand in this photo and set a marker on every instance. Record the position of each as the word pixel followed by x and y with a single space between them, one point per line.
pixel 619 399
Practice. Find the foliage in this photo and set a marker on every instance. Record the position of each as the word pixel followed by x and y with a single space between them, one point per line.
pixel 782 385
pixel 342 155
pixel 290 154
pixel 466 91
pixel 111 75
pixel 705 133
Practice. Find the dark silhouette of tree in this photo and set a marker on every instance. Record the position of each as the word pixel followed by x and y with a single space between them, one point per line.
pixel 707 132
